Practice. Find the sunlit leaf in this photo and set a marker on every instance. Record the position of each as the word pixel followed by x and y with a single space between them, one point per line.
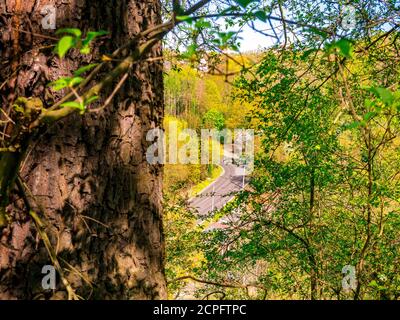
pixel 202 24
pixel 73 31
pixel 91 35
pixel 370 115
pixel 345 47
pixel 60 83
pixel 91 99
pixel 75 81
pixel 84 69
pixel 384 94
pixel 184 18
pixel 73 104
pixel 85 50
pixel 64 45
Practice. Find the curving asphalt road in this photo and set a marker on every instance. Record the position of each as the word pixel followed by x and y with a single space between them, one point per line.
pixel 219 193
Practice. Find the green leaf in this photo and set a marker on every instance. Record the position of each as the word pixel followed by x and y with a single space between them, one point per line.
pixel 91 35
pixel 369 103
pixel 73 104
pixel 191 51
pixel 226 36
pixel 235 47
pixel 384 94
pixel 353 125
pixel 85 50
pixel 18 108
pixel 84 69
pixel 60 83
pixel 202 24
pixel 370 115
pixel 185 18
pixel 318 32
pixel 74 31
pixel 229 10
pixel 91 99
pixel 75 81
pixel 261 15
pixel 345 47
pixel 64 45
pixel 244 3
pixel 307 53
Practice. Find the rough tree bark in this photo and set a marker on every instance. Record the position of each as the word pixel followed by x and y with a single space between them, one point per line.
pixel 100 198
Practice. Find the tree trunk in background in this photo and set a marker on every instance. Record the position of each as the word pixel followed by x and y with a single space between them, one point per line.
pixel 89 173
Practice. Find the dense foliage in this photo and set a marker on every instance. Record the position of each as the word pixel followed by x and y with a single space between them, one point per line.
pixel 324 197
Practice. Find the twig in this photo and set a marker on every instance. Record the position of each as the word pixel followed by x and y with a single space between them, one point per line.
pixel 41 228
pixel 35 34
pixel 215 292
pixel 111 97
pixel 225 285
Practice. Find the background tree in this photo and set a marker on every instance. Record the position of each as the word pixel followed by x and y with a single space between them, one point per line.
pixel 325 191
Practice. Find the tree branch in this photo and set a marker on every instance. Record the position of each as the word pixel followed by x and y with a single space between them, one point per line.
pixel 225 285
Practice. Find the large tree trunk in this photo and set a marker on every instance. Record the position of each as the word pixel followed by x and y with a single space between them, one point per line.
pixel 88 174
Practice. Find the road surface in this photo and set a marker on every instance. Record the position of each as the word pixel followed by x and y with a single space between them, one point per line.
pixel 219 193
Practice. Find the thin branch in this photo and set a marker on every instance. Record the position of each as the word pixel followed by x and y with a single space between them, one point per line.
pixel 196 7
pixel 270 17
pixel 38 35
pixel 284 25
pixel 223 295
pixel 7 117
pixel 225 285
pixel 41 228
pixel 111 97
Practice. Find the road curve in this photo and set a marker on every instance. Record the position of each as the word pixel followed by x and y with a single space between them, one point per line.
pixel 219 193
